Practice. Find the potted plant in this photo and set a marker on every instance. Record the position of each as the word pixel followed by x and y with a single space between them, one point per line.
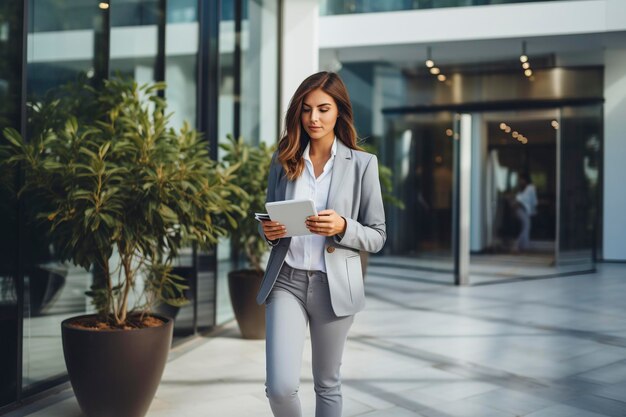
pixel 253 169
pixel 114 182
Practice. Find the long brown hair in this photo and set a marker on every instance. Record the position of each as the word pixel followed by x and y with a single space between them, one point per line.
pixel 294 140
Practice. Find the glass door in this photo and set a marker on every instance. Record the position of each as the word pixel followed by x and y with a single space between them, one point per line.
pixel 419 150
pixel 491 196
pixel 578 161
pixel 513 194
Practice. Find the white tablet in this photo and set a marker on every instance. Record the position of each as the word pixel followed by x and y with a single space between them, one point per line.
pixel 293 214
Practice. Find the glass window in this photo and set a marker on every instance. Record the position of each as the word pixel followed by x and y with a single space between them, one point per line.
pixel 419 149
pixel 332 7
pixel 256 102
pixel 259 71
pixel 61 45
pixel 181 50
pixel 579 149
pixel 226 125
pixel 133 49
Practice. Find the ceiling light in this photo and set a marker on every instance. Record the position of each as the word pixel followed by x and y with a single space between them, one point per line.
pixel 449 132
pixel 441 77
pixel 526 65
pixel 514 134
pixel 429 58
pixel 435 70
pixel 103 5
pixel 502 126
pixel 528 72
pixel 507 129
pixel 523 58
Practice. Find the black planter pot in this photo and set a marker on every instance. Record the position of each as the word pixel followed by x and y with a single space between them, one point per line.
pixel 170 311
pixel 116 372
pixel 243 286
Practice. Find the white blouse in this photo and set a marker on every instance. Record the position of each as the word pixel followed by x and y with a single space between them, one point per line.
pixel 528 198
pixel 307 252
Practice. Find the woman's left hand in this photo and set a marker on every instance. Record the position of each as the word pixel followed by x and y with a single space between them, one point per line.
pixel 326 223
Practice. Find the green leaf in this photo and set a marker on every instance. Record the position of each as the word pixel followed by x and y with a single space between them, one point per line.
pixel 14 137
pixel 167 212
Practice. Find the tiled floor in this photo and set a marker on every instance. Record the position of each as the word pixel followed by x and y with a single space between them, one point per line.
pixel 542 348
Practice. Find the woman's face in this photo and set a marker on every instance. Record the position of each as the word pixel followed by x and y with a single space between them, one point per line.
pixel 319 115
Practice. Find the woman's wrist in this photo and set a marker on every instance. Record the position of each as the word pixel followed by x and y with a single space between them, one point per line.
pixel 343 229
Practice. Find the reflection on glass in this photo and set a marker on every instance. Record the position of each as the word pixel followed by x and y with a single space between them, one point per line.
pixel 331 7
pixel 181 62
pixel 259 69
pixel 519 183
pixel 580 150
pixel 534 192
pixel 60 47
pixel 226 125
pixel 419 149
pixel 134 48
pixel 54 15
pixel 257 101
pixel 514 186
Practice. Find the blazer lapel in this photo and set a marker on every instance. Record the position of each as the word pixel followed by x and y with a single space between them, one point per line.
pixel 342 160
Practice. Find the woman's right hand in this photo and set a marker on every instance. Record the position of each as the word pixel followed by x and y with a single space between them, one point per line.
pixel 273 230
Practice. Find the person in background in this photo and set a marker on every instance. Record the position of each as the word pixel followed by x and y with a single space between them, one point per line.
pixel 526 199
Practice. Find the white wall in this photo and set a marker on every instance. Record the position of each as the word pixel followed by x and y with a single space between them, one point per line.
pixel 300 45
pixel 472 23
pixel 615 15
pixel 614 245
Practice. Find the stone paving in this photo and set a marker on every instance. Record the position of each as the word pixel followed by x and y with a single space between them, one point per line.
pixel 540 348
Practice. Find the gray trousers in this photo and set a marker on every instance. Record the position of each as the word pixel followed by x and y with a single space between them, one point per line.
pixel 299 298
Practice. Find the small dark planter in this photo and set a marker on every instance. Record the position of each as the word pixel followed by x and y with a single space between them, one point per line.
pixel 170 311
pixel 244 286
pixel 116 372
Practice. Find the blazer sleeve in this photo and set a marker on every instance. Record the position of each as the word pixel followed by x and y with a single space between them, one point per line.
pixel 368 232
pixel 272 181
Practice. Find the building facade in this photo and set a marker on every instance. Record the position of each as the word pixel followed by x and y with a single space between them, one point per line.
pixel 220 60
pixel 463 97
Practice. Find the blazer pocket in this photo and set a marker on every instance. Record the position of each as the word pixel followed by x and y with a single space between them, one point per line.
pixel 355 277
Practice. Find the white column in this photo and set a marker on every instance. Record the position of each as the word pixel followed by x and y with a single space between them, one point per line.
pixel 465 168
pixel 479 161
pixel 614 155
pixel 300 46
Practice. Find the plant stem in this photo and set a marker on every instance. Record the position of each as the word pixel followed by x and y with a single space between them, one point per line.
pixel 128 283
pixel 107 277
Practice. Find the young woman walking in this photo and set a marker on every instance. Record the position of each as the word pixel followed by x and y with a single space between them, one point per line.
pixel 316 280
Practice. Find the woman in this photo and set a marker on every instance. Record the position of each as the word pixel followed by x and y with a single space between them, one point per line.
pixel 317 279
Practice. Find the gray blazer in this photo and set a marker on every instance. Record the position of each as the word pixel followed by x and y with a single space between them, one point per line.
pixel 354 194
